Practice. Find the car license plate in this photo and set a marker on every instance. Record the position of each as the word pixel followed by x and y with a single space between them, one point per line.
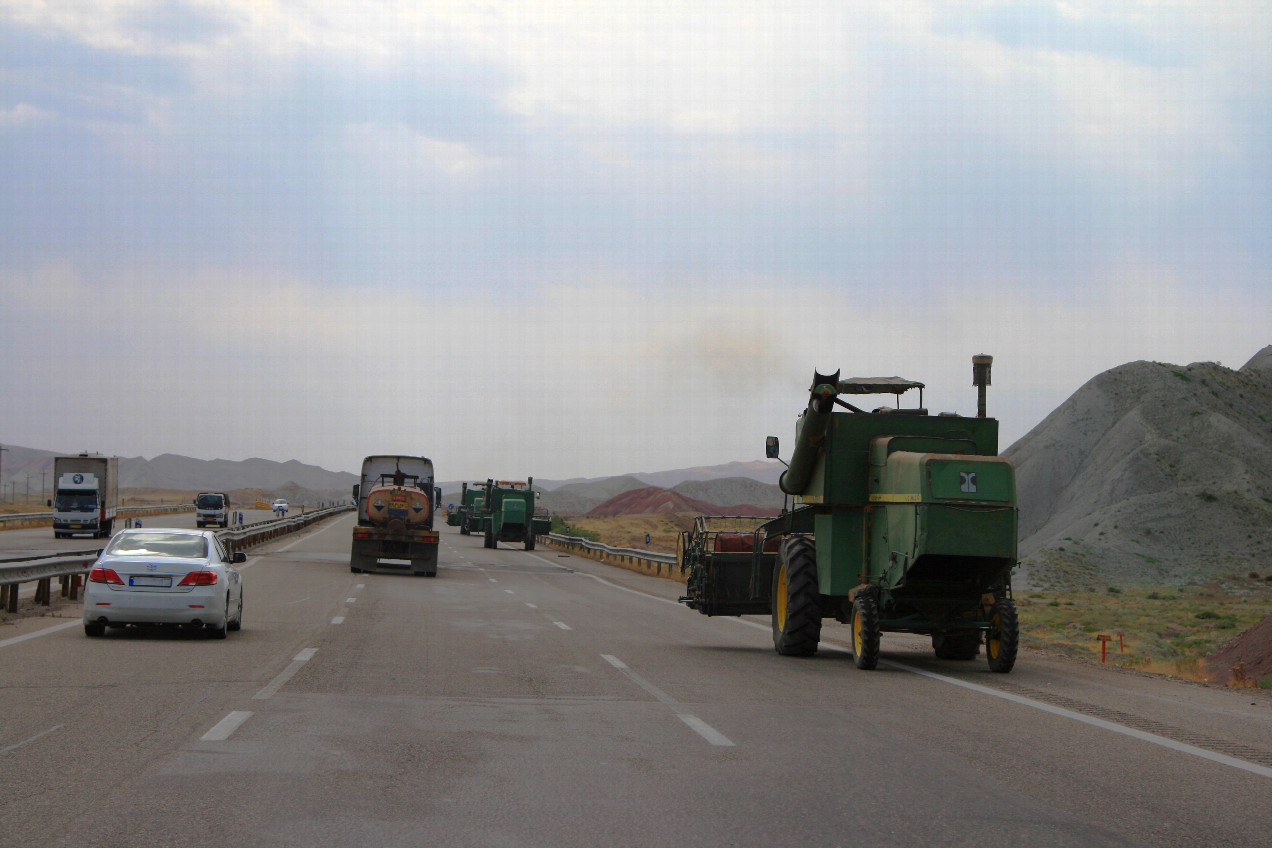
pixel 76 527
pixel 143 580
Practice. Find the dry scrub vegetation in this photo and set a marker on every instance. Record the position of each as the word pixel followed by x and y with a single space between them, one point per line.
pixel 1166 630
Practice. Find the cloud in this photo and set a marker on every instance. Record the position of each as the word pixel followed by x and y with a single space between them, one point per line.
pixel 23 113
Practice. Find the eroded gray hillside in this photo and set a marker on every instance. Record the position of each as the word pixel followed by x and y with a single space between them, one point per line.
pixel 1151 470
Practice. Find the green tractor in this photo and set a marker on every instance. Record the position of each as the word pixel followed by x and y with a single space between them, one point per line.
pixel 901 522
pixel 508 514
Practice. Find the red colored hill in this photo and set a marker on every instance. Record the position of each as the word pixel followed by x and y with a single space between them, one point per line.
pixel 652 499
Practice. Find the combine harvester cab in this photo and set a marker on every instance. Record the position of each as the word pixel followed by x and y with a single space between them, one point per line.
pixel 395 531
pixel 508 513
pixel 900 522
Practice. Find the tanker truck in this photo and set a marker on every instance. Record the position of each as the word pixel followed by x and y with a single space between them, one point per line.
pixel 395 531
pixel 85 495
pixel 508 512
pixel 895 521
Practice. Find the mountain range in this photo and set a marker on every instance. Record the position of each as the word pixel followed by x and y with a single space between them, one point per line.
pixel 1148 471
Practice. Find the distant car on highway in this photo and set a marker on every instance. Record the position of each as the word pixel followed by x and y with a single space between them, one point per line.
pixel 176 577
pixel 280 507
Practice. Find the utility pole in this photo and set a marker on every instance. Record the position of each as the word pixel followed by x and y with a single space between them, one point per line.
pixel 2 450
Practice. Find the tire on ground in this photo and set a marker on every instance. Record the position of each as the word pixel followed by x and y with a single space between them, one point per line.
pixel 1003 638
pixel 796 601
pixel 865 630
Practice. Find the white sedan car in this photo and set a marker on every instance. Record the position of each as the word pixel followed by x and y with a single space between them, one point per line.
pixel 149 576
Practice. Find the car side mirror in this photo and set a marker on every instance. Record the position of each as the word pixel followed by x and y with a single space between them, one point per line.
pixel 48 503
pixel 238 557
pixel 770 447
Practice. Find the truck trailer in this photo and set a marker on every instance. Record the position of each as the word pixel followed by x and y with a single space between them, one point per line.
pixel 85 495
pixel 395 531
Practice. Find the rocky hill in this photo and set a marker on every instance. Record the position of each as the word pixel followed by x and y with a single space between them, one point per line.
pixel 729 491
pixel 1150 470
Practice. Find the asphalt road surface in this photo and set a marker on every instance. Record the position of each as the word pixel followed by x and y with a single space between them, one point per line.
pixel 538 699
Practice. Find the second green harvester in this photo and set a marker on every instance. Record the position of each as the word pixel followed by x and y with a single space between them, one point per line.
pixel 468 512
pixel 508 513
pixel 901 521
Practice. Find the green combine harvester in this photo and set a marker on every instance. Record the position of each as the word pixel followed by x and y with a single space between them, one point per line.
pixel 901 522
pixel 468 513
pixel 508 513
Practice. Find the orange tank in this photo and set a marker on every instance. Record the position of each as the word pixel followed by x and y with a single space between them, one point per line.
pixel 398 507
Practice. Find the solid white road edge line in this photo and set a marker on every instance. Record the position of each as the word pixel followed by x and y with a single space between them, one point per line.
pixel 226 726
pixel 1141 735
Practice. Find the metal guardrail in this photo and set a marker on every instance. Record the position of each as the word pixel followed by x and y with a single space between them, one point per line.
pixel 37 519
pixel 70 566
pixel 648 562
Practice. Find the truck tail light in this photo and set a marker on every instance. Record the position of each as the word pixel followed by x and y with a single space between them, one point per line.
pixel 199 578
pixel 104 575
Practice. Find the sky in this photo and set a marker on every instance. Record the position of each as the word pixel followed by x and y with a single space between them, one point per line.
pixel 578 239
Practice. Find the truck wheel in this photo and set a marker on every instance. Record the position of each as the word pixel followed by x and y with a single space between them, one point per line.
pixel 1003 637
pixel 956 646
pixel 865 630
pixel 490 536
pixel 797 610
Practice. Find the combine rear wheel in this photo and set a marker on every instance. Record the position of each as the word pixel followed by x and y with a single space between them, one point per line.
pixel 865 630
pixel 490 536
pixel 797 610
pixel 1003 637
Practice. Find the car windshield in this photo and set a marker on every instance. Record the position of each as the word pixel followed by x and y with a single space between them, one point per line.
pixel 209 502
pixel 158 544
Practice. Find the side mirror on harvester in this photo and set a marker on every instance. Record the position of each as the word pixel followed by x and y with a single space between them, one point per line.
pixel 770 447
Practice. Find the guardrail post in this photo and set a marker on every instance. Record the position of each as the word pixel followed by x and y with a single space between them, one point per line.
pixel 4 597
pixel 75 582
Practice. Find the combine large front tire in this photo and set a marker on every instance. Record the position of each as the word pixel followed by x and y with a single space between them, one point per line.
pixel 865 630
pixel 797 609
pixel 490 536
pixel 1003 637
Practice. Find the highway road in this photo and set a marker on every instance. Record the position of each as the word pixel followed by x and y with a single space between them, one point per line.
pixel 540 699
